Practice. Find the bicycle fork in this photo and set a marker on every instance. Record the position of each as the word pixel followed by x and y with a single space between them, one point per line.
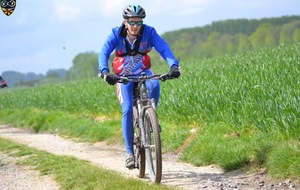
pixel 141 112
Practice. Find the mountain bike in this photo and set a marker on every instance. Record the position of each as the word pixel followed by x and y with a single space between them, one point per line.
pixel 147 141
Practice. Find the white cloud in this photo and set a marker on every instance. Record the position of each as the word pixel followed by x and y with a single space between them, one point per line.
pixel 253 4
pixel 175 7
pixel 71 10
pixel 189 7
pixel 66 12
pixel 111 9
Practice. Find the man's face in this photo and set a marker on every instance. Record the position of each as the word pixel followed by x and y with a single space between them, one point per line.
pixel 134 25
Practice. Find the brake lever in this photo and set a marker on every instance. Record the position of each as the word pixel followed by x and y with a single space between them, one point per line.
pixel 164 77
pixel 123 80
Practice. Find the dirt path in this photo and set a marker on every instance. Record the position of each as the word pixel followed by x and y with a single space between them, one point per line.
pixel 16 177
pixel 111 157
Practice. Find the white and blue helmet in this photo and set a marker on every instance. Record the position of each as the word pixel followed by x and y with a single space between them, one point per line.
pixel 134 11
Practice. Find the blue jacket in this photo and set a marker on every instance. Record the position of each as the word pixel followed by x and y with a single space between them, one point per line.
pixel 150 39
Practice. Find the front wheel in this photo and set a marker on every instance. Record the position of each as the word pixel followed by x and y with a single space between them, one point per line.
pixel 153 145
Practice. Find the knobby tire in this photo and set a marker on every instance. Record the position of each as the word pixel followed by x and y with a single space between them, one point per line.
pixel 153 153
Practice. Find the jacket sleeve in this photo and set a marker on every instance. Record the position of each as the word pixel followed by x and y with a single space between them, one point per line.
pixel 107 48
pixel 162 48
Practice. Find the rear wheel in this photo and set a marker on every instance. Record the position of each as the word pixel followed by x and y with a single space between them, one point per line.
pixel 139 152
pixel 153 145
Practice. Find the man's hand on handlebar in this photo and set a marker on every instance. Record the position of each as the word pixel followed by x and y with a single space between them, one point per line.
pixel 174 71
pixel 110 78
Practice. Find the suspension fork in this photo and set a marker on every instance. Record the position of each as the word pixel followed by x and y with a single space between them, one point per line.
pixel 145 96
pixel 152 101
pixel 141 111
pixel 140 121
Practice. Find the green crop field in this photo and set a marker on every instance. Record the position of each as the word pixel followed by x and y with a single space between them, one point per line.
pixel 240 111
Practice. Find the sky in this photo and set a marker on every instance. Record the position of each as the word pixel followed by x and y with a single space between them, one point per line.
pixel 43 35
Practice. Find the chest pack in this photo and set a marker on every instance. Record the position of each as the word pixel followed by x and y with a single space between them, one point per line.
pixel 135 50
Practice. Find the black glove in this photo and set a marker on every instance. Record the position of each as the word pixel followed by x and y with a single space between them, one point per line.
pixel 111 79
pixel 174 71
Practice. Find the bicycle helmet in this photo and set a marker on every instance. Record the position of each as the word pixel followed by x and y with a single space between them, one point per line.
pixel 134 11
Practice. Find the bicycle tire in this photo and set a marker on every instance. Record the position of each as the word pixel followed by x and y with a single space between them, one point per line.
pixel 139 152
pixel 153 151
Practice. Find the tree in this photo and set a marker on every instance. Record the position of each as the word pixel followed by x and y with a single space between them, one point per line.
pixel 263 36
pixel 210 47
pixel 85 65
pixel 243 42
pixel 226 43
pixel 287 32
pixel 296 35
pixel 182 46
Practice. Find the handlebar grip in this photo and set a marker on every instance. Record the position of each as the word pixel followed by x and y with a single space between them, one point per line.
pixel 165 77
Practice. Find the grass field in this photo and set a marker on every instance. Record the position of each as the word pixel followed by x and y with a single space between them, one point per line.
pixel 240 111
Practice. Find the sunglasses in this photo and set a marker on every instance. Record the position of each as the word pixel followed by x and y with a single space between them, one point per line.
pixel 132 23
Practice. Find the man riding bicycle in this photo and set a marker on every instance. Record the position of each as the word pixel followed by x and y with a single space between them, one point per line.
pixel 2 83
pixel 131 42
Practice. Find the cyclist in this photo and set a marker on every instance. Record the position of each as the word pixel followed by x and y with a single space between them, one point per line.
pixel 2 83
pixel 131 42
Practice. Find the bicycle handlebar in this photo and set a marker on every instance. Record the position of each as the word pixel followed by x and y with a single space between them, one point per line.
pixel 126 79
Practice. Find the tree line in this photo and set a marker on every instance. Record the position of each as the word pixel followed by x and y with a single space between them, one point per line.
pixel 233 36
pixel 216 39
